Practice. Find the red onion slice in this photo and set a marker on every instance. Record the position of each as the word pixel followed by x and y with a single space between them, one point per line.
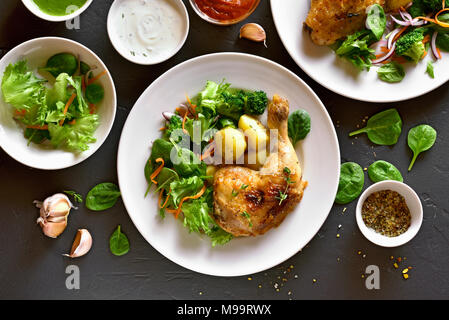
pixel 400 22
pixel 433 45
pixel 386 56
pixel 391 37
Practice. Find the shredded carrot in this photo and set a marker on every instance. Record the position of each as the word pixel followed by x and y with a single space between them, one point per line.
pixel 67 105
pixel 439 53
pixel 442 24
pixel 400 33
pixel 193 106
pixel 384 49
pixel 400 60
pixel 199 194
pixel 37 127
pixel 181 111
pixel 424 55
pixel 426 39
pixel 83 84
pixel 207 152
pixel 72 122
pixel 97 77
pixel 20 113
pixel 183 124
pixel 160 197
pixel 157 171
pixel 92 108
pixel 427 19
pixel 163 129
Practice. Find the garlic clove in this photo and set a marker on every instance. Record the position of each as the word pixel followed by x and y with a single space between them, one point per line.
pixel 52 229
pixel 81 245
pixel 253 32
pixel 54 212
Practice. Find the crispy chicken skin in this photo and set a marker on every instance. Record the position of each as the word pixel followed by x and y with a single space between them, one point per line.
pixel 256 209
pixel 331 20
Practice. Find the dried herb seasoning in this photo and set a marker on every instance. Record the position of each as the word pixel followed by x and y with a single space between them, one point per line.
pixel 387 213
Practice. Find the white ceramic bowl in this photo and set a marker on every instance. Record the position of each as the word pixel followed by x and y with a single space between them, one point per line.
pixel 12 140
pixel 413 203
pixel 140 59
pixel 39 13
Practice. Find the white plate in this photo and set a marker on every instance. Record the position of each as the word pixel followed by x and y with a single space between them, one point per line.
pixel 338 75
pixel 319 155
pixel 12 141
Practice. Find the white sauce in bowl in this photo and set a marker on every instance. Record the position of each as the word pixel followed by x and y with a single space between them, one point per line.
pixel 149 29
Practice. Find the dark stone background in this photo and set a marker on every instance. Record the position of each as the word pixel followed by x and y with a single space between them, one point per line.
pixel 32 267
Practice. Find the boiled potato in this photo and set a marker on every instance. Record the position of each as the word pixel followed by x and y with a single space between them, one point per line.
pixel 210 172
pixel 256 159
pixel 230 144
pixel 255 131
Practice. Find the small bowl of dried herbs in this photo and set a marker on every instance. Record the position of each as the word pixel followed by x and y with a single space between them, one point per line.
pixel 389 213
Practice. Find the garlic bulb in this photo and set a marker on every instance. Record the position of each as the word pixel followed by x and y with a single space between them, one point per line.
pixel 54 212
pixel 253 32
pixel 81 245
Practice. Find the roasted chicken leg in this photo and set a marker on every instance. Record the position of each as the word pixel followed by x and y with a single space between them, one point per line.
pixel 331 20
pixel 249 202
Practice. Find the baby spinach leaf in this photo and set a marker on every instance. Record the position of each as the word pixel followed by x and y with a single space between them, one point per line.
pixel 384 128
pixel 391 72
pixel 351 182
pixel 376 20
pixel 382 170
pixel 298 125
pixel 103 196
pixel 442 41
pixel 420 138
pixel 119 243
pixel 94 93
pixel 61 63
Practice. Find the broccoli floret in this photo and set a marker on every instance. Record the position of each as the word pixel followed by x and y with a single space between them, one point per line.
pixel 256 103
pixel 231 104
pixel 411 45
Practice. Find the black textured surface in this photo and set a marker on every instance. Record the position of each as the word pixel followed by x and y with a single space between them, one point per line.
pixel 32 267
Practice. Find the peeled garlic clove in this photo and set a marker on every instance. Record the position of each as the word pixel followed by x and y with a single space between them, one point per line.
pixel 81 245
pixel 54 212
pixel 253 32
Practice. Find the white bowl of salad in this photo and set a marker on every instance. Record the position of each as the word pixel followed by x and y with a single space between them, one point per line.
pixel 57 103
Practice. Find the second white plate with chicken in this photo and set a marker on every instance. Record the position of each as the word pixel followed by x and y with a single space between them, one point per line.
pixel 318 155
pixel 324 66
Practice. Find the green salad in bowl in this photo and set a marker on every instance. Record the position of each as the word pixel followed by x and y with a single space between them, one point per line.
pixel 63 112
pixel 57 103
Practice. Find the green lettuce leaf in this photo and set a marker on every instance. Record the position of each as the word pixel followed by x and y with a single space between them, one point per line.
pixel 75 137
pixel 21 88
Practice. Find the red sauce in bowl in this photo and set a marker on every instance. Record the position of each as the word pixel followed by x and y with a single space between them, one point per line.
pixel 225 10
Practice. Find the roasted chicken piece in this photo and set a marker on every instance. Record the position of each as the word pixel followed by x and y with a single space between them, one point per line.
pixel 331 20
pixel 249 202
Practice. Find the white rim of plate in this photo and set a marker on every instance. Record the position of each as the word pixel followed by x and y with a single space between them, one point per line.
pixel 282 69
